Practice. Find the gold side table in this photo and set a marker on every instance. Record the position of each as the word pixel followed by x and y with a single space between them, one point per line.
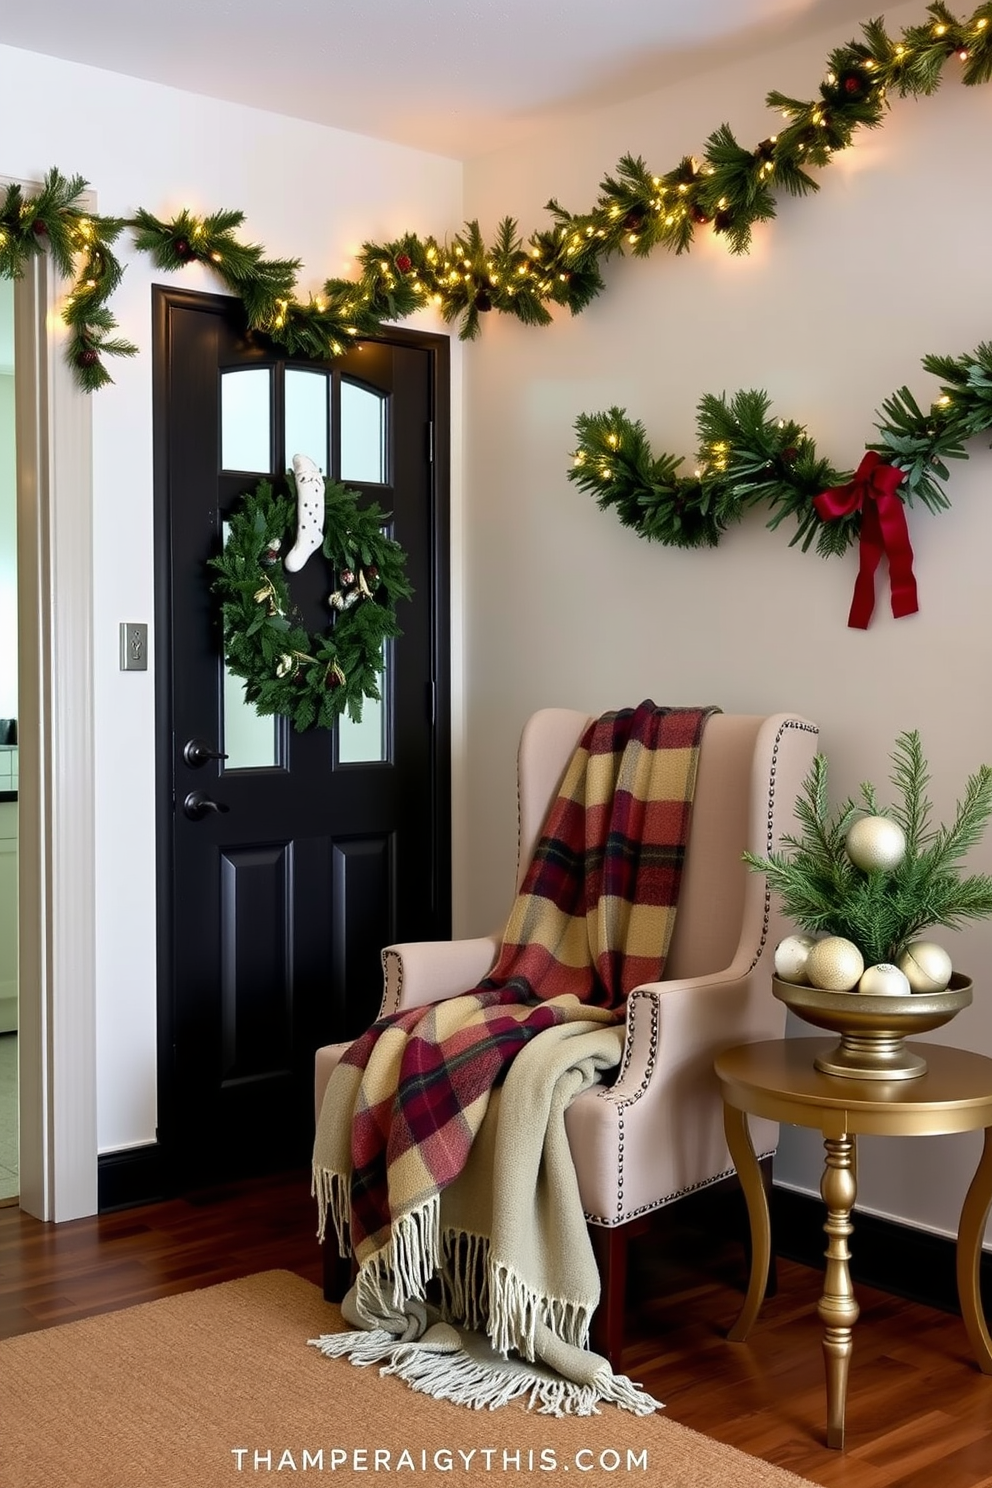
pixel 777 1080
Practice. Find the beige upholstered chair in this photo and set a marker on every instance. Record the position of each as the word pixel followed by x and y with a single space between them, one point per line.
pixel 656 1134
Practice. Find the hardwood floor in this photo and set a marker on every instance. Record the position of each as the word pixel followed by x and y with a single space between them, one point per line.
pixel 919 1412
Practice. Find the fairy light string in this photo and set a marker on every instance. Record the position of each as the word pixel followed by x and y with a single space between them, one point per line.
pixel 727 190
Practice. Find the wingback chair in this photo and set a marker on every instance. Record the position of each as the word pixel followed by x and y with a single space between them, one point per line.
pixel 656 1134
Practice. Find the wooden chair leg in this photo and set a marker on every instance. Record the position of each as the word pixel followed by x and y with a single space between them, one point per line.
pixel 338 1272
pixel 606 1334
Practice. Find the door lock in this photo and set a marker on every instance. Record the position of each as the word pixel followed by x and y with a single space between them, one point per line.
pixel 198 805
pixel 197 752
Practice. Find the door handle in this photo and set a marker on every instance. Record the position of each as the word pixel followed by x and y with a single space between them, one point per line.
pixel 198 805
pixel 197 752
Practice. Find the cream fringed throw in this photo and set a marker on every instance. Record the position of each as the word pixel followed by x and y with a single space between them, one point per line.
pixel 441 1147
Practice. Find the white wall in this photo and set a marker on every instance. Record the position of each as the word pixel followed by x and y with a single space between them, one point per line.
pixel 308 192
pixel 833 310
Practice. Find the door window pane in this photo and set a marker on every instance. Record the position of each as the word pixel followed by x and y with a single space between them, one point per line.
pixel 365 742
pixel 363 433
pixel 307 418
pixel 248 740
pixel 245 420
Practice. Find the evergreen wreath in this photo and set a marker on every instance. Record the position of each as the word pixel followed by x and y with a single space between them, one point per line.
pixel 310 679
pixel 730 189
pixel 881 912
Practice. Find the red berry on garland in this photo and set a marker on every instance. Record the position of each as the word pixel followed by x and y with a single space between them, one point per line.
pixel 39 227
pixel 790 454
pixel 721 221
pixel 483 301
pixel 698 215
pixel 634 221
pixel 347 577
pixel 181 248
pixel 87 358
pixel 371 573
pixel 404 263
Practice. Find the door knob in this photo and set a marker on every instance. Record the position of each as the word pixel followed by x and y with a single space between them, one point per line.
pixel 197 752
pixel 198 804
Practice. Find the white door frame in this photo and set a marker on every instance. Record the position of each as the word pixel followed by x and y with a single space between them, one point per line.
pixel 56 826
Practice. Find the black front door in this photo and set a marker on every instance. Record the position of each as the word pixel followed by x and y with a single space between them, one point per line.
pixel 328 844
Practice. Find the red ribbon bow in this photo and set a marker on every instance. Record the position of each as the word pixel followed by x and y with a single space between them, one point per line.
pixel 883 530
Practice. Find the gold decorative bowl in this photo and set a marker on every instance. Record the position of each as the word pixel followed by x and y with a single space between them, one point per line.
pixel 873 1029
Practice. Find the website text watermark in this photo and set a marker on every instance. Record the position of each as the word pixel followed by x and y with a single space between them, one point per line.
pixel 438 1459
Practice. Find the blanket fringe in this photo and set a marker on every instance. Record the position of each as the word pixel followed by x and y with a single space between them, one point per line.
pixel 362 1348
pixel 402 1268
pixel 454 1375
pixel 515 1309
pixel 467 1381
pixel 494 1299
pixel 621 1391
pixel 331 1190
pixel 465 1279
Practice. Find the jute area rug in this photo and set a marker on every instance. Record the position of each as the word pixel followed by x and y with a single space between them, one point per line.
pixel 218 1387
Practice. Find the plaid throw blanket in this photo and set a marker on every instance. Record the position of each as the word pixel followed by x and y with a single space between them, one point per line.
pixel 593 919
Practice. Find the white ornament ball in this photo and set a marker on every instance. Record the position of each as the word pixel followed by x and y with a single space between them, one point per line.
pixel 927 966
pixel 876 844
pixel 884 980
pixel 834 964
pixel 791 955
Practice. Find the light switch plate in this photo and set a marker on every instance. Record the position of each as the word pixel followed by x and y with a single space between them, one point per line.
pixel 134 646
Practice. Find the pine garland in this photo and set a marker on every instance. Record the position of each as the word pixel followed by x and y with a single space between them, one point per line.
pixel 310 679
pixel 881 912
pixel 747 457
pixel 731 187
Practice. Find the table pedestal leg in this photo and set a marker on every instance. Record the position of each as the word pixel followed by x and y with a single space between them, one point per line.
pixel 749 1173
pixel 978 1201
pixel 837 1307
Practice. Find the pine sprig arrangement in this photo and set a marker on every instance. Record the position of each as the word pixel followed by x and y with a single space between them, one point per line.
pixel 310 679
pixel 730 188
pixel 747 456
pixel 881 912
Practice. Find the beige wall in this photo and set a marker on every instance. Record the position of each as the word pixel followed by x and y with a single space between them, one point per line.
pixel 833 310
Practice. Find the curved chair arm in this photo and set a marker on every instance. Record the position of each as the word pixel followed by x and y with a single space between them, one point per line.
pixel 669 1023
pixel 414 974
pixel 422 971
pixel 657 1133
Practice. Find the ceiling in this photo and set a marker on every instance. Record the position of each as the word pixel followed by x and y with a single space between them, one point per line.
pixel 457 77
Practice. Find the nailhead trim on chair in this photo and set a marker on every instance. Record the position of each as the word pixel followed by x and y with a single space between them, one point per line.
pixel 384 1011
pixel 633 1008
pixel 611 1224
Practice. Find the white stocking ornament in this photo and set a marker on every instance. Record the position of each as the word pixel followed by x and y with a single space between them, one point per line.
pixel 309 512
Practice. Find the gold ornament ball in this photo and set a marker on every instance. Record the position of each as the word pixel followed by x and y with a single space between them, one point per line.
pixel 876 844
pixel 791 955
pixel 927 966
pixel 884 980
pixel 834 965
